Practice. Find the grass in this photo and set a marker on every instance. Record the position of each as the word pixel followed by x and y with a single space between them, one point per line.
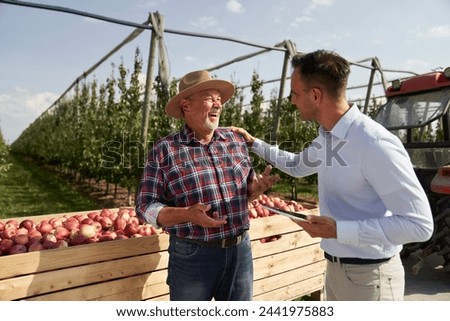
pixel 29 190
pixel 304 190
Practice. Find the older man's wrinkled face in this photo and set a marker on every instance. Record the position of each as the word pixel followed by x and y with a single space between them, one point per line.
pixel 204 109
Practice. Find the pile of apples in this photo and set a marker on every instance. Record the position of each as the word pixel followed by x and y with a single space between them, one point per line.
pixel 70 230
pixel 256 211
pixel 100 226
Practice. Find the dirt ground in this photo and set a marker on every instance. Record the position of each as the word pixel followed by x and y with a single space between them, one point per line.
pixel 103 195
pixel 431 283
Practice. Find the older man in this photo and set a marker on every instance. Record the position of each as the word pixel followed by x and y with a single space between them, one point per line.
pixel 197 184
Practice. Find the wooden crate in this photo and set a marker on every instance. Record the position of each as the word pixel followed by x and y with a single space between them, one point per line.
pixel 136 269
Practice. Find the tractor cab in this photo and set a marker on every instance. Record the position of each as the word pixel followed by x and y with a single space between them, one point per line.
pixel 417 111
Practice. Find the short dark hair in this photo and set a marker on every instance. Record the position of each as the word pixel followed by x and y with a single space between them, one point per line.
pixel 323 68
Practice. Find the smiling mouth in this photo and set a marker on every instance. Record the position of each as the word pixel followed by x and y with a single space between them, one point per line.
pixel 214 115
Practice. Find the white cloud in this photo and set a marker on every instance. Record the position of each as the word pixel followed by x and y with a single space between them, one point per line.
pixel 149 4
pixel 19 107
pixel 414 64
pixel 205 22
pixel 379 42
pixel 21 101
pixel 309 11
pixel 316 4
pixel 304 19
pixel 436 32
pixel 190 58
pixel 235 6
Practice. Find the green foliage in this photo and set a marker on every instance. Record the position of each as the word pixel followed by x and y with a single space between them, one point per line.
pixel 4 151
pixel 96 132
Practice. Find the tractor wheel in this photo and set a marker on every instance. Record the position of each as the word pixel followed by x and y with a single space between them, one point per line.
pixel 441 235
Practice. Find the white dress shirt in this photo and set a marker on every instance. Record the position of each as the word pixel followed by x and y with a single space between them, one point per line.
pixel 366 182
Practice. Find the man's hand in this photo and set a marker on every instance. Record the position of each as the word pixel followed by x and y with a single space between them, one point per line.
pixel 319 226
pixel 196 214
pixel 249 139
pixel 261 183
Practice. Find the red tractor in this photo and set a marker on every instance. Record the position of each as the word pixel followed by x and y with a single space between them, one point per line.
pixel 418 112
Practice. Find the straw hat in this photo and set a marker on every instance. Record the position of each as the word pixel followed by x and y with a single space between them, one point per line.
pixel 197 81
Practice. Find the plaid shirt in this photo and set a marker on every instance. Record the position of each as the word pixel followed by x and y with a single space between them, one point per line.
pixel 181 172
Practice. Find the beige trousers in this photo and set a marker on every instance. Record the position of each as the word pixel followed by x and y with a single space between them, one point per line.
pixel 372 282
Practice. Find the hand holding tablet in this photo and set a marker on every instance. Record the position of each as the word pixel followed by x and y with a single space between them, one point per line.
pixel 292 215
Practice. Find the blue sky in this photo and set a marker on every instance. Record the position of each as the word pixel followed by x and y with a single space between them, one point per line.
pixel 43 52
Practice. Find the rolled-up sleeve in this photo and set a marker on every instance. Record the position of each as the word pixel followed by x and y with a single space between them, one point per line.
pixel 149 198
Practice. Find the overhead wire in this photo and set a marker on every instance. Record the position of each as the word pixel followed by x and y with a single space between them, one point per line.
pixel 133 24
pixel 146 26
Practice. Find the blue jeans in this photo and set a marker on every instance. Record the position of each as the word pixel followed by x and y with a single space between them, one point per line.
pixel 200 273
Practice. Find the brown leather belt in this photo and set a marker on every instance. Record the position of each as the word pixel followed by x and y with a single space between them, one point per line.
pixel 222 243
pixel 354 260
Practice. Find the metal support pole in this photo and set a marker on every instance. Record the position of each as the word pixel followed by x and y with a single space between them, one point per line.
pixel 276 116
pixel 369 90
pixel 155 19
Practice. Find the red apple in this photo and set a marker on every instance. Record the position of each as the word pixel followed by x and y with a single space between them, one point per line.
pixel 21 239
pixel 9 232
pixel 55 222
pixel 45 227
pixel 34 233
pixel 106 223
pixel 131 229
pixel 17 249
pixel 6 245
pixel 49 237
pixel 28 224
pixel 125 215
pixel 145 230
pixel 87 220
pixel 61 232
pixel 87 230
pixel 93 215
pixel 12 222
pixel 61 244
pixel 98 226
pixel 119 223
pixel 77 239
pixel 22 231
pixel 71 223
pixel 35 247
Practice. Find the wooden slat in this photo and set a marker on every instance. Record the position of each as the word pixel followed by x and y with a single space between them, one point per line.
pixel 286 261
pixel 286 242
pixel 271 225
pixel 161 298
pixel 135 285
pixel 152 285
pixel 287 278
pixel 293 291
pixel 136 269
pixel 39 261
pixel 52 281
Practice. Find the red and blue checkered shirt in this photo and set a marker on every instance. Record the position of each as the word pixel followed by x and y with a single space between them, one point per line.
pixel 181 172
